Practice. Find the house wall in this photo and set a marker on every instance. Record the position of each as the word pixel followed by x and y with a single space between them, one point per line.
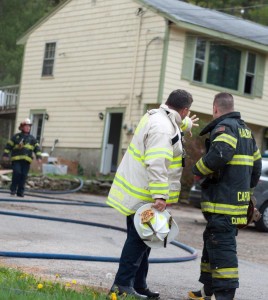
pixel 108 55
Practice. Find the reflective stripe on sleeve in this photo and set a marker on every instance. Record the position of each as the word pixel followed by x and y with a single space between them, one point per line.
pixel 159 188
pixel 176 163
pixel 256 155
pixel 135 153
pixel 202 168
pixel 226 138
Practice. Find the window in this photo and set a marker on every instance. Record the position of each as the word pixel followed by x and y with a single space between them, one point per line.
pixel 211 63
pixel 49 58
pixel 250 73
pixel 199 60
pixel 223 64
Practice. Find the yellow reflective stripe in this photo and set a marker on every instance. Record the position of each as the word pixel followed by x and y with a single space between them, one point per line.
pixel 159 152
pixel 21 157
pixel 225 273
pixel 122 209
pixel 11 143
pixel 205 267
pixel 159 188
pixel 226 138
pixel 39 153
pixel 6 151
pixel 142 123
pixel 132 190
pixel 184 124
pixel 135 153
pixel 256 155
pixel 176 163
pixel 28 146
pixel 241 160
pixel 173 197
pixel 202 168
pixel 226 209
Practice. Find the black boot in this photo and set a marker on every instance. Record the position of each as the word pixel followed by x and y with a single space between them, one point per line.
pixel 148 293
pixel 225 294
pixel 127 291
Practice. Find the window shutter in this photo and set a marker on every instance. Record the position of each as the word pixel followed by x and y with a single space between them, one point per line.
pixel 260 67
pixel 188 58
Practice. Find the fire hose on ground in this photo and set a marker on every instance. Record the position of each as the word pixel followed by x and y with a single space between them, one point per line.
pixel 192 251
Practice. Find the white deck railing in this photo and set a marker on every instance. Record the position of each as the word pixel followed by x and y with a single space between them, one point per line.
pixel 9 97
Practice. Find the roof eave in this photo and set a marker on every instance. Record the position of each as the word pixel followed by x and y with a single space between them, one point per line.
pixel 207 31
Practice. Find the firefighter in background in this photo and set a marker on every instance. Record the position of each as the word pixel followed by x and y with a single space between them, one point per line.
pixel 230 170
pixel 20 148
pixel 149 172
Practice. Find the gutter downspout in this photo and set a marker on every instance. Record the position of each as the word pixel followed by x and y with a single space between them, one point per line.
pixel 140 12
pixel 164 63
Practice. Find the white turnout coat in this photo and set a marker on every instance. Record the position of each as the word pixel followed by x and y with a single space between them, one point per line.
pixel 152 165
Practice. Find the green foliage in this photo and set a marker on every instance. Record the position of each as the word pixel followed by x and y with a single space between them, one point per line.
pixel 16 17
pixel 17 285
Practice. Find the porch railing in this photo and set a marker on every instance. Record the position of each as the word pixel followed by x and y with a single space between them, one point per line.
pixel 9 97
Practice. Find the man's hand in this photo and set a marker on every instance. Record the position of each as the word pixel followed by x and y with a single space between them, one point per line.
pixel 194 120
pixel 5 158
pixel 160 204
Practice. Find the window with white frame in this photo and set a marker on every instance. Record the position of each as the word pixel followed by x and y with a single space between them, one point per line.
pixel 49 57
pixel 250 73
pixel 212 63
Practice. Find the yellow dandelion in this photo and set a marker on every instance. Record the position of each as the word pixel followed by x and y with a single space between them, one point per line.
pixel 68 284
pixel 74 281
pixel 57 275
pixel 40 286
pixel 113 296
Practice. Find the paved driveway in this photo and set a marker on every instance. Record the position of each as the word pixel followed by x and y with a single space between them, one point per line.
pixel 173 280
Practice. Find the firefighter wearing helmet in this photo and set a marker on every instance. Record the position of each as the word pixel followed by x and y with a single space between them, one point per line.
pixel 19 149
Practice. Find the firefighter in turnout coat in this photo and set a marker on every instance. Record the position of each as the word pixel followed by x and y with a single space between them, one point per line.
pixel 149 172
pixel 230 170
pixel 21 148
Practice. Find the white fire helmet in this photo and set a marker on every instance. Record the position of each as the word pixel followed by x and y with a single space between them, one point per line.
pixel 26 121
pixel 160 230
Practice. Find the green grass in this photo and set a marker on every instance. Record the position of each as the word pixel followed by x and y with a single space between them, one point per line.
pixel 18 285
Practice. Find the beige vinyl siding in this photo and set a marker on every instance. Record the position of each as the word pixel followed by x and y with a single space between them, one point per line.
pixel 93 69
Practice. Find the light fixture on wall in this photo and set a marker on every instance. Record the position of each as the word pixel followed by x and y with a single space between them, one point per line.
pixel 46 116
pixel 101 116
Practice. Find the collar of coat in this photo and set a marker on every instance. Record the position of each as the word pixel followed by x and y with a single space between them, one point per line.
pixel 173 114
pixel 212 124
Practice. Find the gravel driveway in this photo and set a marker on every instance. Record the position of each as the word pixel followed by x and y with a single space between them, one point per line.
pixel 173 280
